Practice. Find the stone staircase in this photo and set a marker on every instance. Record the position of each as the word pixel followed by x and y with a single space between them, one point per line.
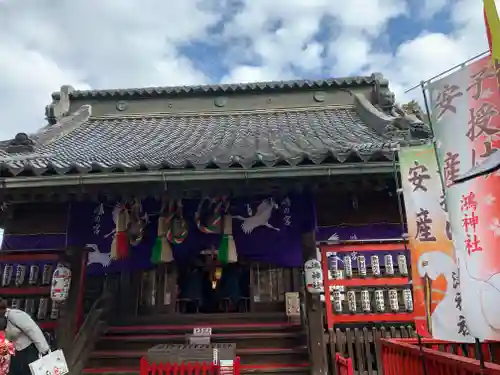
pixel 265 342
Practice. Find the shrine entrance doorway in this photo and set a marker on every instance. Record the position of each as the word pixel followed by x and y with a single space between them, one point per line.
pixel 198 288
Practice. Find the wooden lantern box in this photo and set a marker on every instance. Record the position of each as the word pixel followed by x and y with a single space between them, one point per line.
pixel 365 283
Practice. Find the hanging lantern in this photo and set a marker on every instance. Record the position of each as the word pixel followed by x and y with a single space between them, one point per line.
pixel 47 274
pixel 7 275
pixel 408 300
pixel 16 304
pixel 333 266
pixel 29 307
pixel 362 266
pixel 402 265
pixel 389 265
pixel 313 276
pixel 351 301
pixel 33 275
pixel 61 282
pixel 20 275
pixel 54 310
pixel 393 300
pixel 379 300
pixel 337 302
pixel 365 301
pixel 348 266
pixel 43 306
pixel 375 265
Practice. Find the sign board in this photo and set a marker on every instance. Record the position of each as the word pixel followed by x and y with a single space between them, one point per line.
pixel 202 331
pixel 292 304
pixel 226 367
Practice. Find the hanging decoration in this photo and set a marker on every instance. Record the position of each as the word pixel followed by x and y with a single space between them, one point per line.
pixel 162 251
pixel 138 222
pixel 120 244
pixel 178 230
pixel 208 216
pixel 61 282
pixel 227 247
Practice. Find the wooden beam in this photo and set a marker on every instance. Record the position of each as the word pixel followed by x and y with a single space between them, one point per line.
pixel 314 313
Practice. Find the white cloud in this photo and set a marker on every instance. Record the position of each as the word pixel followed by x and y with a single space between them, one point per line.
pixel 429 8
pixel 432 53
pixel 129 43
pixel 92 43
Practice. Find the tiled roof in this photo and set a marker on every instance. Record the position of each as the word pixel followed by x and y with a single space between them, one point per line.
pixel 229 139
pixel 228 88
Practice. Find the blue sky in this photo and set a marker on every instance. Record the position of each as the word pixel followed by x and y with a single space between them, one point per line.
pixel 133 43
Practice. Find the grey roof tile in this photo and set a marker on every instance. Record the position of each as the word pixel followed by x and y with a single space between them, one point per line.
pixel 228 139
pixel 227 88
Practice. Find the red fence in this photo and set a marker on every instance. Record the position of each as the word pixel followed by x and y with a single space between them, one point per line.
pixel 489 350
pixel 147 368
pixel 344 365
pixel 399 356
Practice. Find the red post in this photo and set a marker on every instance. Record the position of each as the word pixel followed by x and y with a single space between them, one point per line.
pixel 344 365
pixel 144 367
pixel 237 366
pixel 326 289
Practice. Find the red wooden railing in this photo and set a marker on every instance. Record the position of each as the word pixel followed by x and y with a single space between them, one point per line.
pixel 399 356
pixel 489 350
pixel 147 368
pixel 344 365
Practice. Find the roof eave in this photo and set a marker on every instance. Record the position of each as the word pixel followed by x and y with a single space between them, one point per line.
pixel 198 175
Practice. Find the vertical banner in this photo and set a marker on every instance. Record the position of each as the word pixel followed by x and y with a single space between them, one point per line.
pixel 434 271
pixel 466 118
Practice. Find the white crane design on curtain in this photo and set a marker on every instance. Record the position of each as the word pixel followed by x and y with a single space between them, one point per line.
pixel 260 218
pixel 95 256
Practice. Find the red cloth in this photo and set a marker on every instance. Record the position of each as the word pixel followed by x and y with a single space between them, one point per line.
pixel 121 245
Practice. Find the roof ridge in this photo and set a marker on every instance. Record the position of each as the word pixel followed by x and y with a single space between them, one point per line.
pixel 224 113
pixel 229 87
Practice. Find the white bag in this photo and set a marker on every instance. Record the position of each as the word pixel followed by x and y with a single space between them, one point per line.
pixel 53 363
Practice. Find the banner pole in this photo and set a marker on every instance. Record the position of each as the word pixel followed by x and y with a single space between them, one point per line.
pixel 399 194
pixel 479 353
pixel 431 127
pixel 448 70
pixel 421 354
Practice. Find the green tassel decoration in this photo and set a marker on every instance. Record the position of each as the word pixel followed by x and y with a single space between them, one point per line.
pixel 227 248
pixel 157 250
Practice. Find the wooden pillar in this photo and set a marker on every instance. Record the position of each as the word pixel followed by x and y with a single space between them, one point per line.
pixel 171 287
pixel 70 312
pixel 166 290
pixel 314 313
pixel 126 301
